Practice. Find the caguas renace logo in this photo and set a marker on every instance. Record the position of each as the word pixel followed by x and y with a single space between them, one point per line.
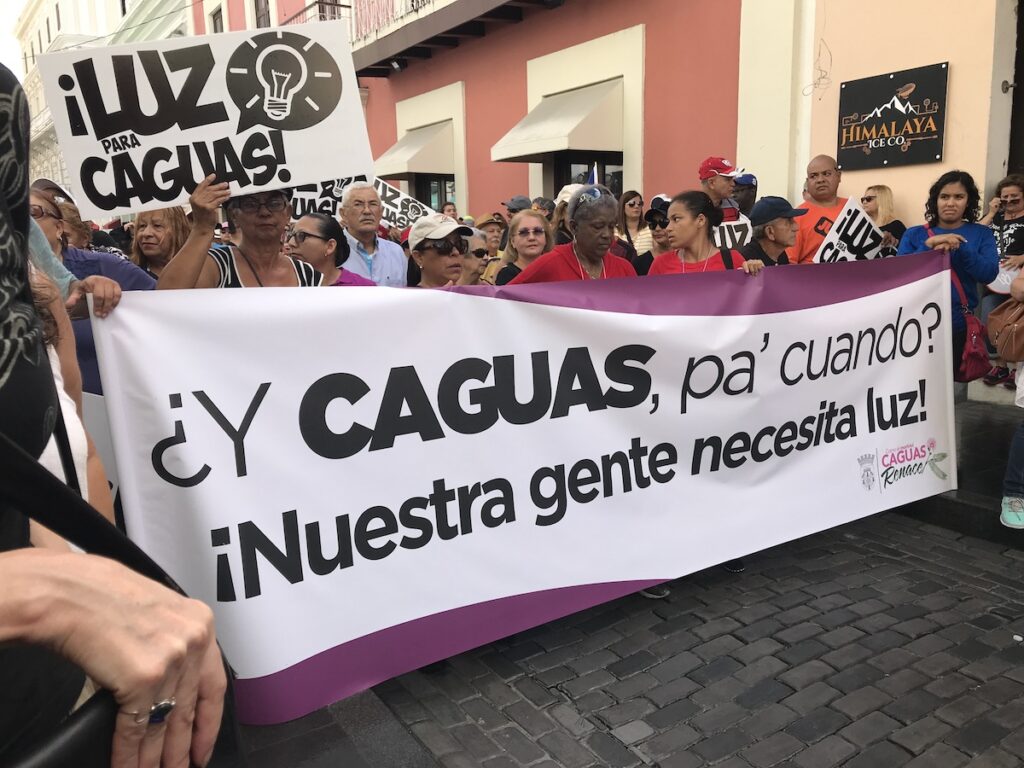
pixel 911 460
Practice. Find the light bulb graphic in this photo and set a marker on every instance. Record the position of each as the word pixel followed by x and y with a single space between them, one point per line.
pixel 282 73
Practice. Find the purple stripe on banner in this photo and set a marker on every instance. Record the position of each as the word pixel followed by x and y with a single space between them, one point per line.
pixel 776 289
pixel 361 663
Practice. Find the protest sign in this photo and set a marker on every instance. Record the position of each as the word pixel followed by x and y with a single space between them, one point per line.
pixel 399 209
pixel 733 234
pixel 351 515
pixel 854 237
pixel 139 125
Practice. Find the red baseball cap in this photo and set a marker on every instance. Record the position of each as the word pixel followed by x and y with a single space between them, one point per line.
pixel 717 166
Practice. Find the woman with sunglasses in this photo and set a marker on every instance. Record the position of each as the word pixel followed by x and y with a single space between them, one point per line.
pixel 592 213
pixel 657 223
pixel 436 244
pixel 256 261
pixel 531 237
pixel 474 260
pixel 878 204
pixel 632 224
pixel 84 265
pixel 319 240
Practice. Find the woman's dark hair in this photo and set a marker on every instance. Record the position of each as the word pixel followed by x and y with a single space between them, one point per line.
pixel 331 229
pixel 1013 180
pixel 641 225
pixel 697 203
pixel 973 209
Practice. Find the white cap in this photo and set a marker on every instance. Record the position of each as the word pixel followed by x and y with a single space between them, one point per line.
pixel 435 226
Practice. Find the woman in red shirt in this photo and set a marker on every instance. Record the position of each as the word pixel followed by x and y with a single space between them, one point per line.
pixel 692 218
pixel 593 213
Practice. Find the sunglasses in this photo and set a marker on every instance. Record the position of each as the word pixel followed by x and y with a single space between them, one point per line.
pixel 274 204
pixel 38 212
pixel 867 198
pixel 526 232
pixel 636 202
pixel 444 247
pixel 658 223
pixel 299 236
pixel 592 194
pixel 479 252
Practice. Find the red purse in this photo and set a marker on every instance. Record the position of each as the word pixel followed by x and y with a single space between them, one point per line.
pixel 974 362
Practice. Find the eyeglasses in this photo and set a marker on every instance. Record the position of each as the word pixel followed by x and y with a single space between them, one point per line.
pixel 479 252
pixel 274 204
pixel 636 202
pixel 526 232
pixel 867 198
pixel 444 247
pixel 659 223
pixel 38 212
pixel 592 194
pixel 299 236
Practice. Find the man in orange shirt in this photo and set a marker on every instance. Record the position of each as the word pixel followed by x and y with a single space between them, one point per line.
pixel 823 208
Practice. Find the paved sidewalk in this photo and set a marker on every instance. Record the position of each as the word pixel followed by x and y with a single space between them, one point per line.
pixel 886 642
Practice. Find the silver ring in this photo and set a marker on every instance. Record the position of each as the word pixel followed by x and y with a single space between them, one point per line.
pixel 157 713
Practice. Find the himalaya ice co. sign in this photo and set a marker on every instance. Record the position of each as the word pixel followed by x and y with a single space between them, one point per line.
pixel 892 119
pixel 139 125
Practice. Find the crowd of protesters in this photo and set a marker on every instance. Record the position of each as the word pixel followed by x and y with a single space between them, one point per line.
pixel 246 241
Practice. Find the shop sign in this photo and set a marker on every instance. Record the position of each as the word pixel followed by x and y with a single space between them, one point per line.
pixel 893 119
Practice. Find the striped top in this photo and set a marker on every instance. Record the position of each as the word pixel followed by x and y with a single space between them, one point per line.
pixel 306 276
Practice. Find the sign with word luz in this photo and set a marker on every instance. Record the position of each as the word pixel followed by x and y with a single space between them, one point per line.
pixel 140 125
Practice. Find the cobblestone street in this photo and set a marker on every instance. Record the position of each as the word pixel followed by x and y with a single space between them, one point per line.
pixel 886 642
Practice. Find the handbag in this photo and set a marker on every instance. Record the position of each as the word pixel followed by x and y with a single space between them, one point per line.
pixel 84 739
pixel 973 363
pixel 1006 330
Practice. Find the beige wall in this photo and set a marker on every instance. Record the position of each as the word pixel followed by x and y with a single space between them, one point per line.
pixel 861 38
pixel 774 107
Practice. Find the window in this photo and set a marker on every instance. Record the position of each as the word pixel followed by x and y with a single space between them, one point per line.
pixel 217 21
pixel 262 8
pixel 39 35
pixel 574 167
pixel 433 189
pixel 48 31
pixel 56 9
pixel 32 47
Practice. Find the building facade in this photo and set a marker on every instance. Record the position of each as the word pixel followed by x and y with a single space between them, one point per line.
pixel 492 98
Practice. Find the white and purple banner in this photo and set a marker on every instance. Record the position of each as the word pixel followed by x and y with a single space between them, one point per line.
pixel 480 461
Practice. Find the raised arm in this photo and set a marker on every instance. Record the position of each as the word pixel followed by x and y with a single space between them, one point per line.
pixel 191 267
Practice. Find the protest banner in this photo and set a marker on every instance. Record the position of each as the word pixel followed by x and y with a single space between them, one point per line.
pixel 733 234
pixel 520 453
pixel 139 125
pixel 854 237
pixel 399 209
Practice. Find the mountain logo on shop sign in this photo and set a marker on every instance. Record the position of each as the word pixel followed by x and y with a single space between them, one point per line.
pixel 904 107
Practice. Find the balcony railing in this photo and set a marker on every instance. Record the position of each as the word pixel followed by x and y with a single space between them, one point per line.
pixel 325 10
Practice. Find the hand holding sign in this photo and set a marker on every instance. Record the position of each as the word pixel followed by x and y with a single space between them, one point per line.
pixel 206 198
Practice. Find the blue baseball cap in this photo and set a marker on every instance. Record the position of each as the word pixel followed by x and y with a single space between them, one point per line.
pixel 770 208
pixel 746 180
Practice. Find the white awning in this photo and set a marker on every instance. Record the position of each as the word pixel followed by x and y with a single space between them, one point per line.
pixel 587 118
pixel 429 149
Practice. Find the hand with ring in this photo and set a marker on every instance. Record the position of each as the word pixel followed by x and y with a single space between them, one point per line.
pixel 152 648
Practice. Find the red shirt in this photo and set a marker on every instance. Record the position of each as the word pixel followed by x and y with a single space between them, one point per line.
pixel 560 263
pixel 669 263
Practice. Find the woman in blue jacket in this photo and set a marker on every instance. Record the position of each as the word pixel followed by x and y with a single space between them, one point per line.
pixel 951 214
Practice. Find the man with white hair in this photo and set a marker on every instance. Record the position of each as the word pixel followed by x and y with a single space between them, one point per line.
pixel 373 257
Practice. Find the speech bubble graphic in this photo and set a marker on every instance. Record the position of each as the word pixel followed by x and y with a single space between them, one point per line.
pixel 282 80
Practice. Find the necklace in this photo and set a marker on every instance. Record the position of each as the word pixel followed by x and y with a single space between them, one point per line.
pixel 584 272
pixel 251 268
pixel 706 259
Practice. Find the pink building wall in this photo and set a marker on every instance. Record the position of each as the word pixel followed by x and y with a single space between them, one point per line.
pixel 692 73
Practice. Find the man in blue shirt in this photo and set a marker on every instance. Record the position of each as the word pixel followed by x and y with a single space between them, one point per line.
pixel 372 257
